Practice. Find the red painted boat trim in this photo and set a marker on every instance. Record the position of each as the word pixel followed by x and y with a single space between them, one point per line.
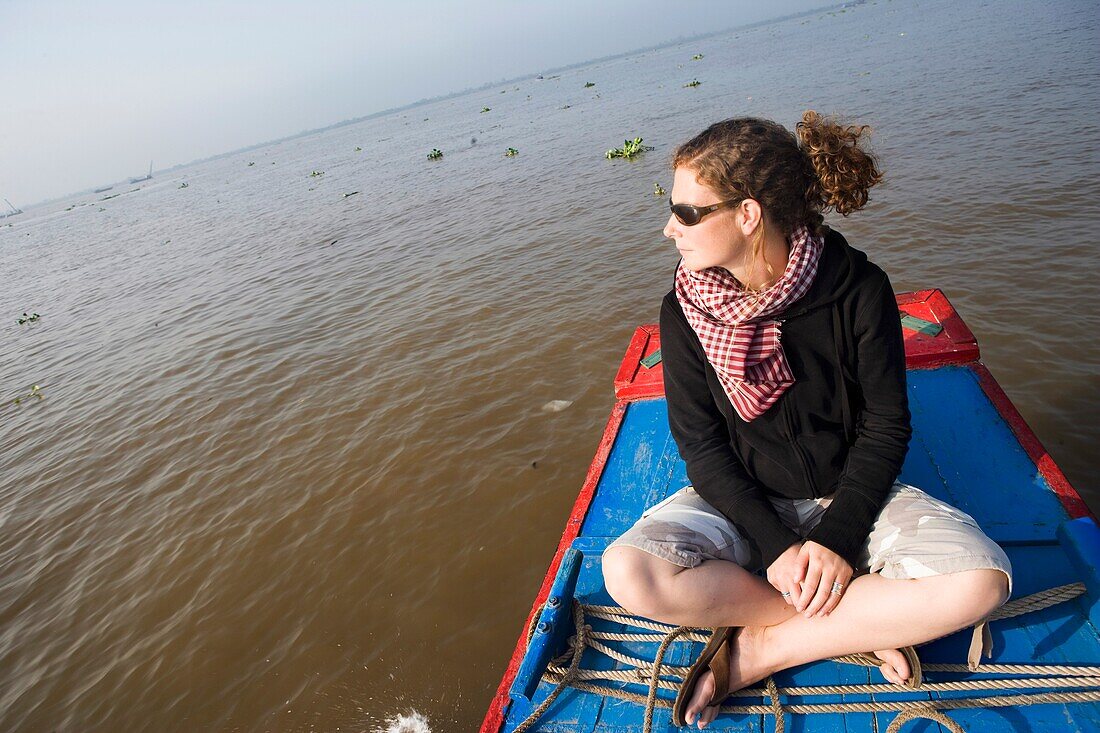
pixel 1043 461
pixel 494 719
pixel 955 344
pixel 634 381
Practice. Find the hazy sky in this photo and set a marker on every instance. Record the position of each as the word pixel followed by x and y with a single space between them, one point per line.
pixel 92 91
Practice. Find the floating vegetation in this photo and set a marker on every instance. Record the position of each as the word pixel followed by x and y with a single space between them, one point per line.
pixel 315 174
pixel 436 154
pixel 28 318
pixel 358 149
pixel 251 163
pixel 183 185
pixel 511 153
pixel 566 106
pixel 589 84
pixel 692 83
pixel 657 190
pixel 629 149
pixel 36 391
pixel 350 194
pixel 697 57
pixel 485 109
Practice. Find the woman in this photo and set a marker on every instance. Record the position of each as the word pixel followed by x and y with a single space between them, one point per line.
pixel 784 372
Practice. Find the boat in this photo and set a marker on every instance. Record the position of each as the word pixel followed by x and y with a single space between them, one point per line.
pixel 146 177
pixel 1033 665
pixel 101 190
pixel 12 211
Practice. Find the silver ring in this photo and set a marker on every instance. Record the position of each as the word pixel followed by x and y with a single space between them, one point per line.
pixel 786 594
pixel 837 588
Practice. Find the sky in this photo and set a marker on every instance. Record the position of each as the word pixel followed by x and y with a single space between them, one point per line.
pixel 93 91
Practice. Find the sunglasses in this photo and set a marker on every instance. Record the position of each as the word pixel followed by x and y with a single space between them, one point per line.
pixel 689 215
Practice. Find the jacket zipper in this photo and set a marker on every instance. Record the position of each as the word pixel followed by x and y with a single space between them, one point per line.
pixel 802 460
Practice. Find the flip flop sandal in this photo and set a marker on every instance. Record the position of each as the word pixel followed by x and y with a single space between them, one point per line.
pixel 915 678
pixel 715 657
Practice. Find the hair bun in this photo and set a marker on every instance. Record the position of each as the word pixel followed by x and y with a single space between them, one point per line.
pixel 845 171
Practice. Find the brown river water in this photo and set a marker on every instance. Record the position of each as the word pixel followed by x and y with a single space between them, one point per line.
pixel 297 464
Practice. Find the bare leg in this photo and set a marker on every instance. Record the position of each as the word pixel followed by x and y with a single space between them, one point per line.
pixel 876 613
pixel 714 593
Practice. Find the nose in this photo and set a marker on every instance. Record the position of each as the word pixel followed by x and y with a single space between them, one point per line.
pixel 672 227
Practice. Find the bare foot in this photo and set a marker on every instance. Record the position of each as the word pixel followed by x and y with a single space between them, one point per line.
pixel 747 665
pixel 896 667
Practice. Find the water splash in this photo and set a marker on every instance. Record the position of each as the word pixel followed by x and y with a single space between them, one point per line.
pixel 414 722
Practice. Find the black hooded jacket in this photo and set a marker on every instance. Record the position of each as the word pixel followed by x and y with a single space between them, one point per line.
pixel 842 428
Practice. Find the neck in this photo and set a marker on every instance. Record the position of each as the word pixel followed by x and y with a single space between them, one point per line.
pixel 775 252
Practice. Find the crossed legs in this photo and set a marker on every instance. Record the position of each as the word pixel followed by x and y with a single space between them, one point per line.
pixel 876 613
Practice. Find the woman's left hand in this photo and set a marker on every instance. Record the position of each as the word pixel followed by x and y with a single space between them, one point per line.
pixel 823 569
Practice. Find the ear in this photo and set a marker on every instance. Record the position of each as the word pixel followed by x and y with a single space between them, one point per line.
pixel 750 215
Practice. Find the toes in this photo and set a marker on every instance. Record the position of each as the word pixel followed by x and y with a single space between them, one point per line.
pixel 708 715
pixel 888 673
pixel 697 706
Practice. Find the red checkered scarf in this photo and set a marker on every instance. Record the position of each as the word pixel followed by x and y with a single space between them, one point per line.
pixel 740 341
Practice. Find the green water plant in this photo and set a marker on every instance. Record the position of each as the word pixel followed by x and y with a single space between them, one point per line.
pixel 692 83
pixel 589 84
pixel 350 194
pixel 315 174
pixel 436 154
pixel 36 391
pixel 28 318
pixel 657 190
pixel 697 57
pixel 485 109
pixel 629 149
pixel 251 163
pixel 511 153
pixel 358 149
pixel 183 185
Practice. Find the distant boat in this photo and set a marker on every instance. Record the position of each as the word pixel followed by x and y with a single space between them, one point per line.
pixel 13 211
pixel 146 177
pixel 101 190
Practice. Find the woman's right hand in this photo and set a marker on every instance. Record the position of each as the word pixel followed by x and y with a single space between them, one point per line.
pixel 787 572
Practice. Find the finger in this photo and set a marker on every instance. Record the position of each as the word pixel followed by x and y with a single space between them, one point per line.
pixel 792 593
pixel 809 587
pixel 802 567
pixel 822 595
pixel 835 598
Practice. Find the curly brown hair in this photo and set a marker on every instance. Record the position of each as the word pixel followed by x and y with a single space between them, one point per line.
pixel 794 178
